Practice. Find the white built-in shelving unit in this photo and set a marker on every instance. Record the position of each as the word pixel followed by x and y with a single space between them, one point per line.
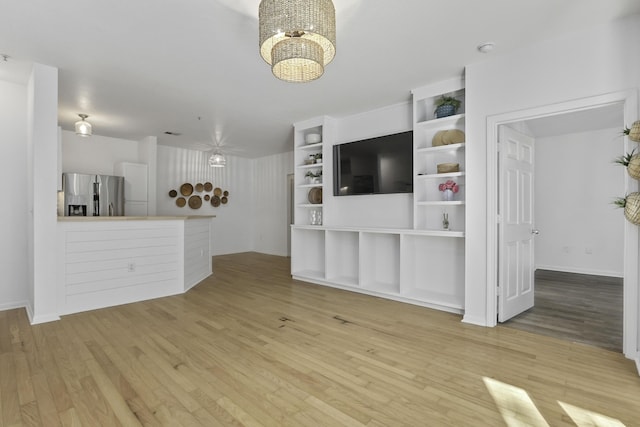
pixel 428 204
pixel 423 265
pixel 303 184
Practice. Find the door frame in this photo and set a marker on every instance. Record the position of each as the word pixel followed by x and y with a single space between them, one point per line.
pixel 631 303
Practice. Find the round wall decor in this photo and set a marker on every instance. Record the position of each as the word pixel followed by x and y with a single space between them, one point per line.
pixel 186 189
pixel 180 202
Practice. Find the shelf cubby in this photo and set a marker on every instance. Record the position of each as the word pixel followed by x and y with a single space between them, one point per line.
pixel 343 257
pixel 309 247
pixel 380 262
pixel 433 270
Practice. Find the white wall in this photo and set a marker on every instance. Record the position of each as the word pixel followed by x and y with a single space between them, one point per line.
pixel 580 65
pixel 376 211
pixel 234 223
pixel 13 209
pixel 270 229
pixel 575 182
pixel 42 167
pixel 95 154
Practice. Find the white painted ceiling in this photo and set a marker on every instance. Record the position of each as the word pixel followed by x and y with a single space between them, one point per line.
pixel 143 67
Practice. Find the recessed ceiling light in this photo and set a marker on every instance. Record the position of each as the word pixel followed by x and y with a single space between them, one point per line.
pixel 172 133
pixel 486 47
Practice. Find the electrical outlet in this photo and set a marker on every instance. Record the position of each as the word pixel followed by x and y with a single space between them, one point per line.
pixel 131 267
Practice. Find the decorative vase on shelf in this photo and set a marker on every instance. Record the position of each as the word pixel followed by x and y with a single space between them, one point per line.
pixel 445 221
pixel 445 111
pixel 447 195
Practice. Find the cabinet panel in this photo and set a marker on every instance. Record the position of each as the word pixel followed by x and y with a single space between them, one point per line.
pixel 135 180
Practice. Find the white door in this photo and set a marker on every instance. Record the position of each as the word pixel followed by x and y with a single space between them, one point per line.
pixel 516 239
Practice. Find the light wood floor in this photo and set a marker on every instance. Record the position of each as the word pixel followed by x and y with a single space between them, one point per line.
pixel 251 347
pixel 575 307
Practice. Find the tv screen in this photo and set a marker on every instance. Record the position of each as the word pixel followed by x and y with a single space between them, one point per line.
pixel 381 165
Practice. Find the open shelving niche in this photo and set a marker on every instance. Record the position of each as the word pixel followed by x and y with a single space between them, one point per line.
pixel 303 185
pixel 423 265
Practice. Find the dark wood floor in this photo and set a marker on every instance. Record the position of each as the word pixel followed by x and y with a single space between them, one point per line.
pixel 575 307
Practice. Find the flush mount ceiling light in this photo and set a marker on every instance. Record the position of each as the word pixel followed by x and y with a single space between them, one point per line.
pixel 83 127
pixel 486 47
pixel 217 160
pixel 297 37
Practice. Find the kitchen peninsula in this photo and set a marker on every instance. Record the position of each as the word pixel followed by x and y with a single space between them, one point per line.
pixel 105 261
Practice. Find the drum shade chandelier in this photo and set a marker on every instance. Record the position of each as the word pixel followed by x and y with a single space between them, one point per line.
pixel 83 127
pixel 297 37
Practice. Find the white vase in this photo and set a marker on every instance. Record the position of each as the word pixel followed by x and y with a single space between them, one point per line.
pixel 447 195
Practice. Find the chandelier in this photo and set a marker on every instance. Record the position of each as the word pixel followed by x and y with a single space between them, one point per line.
pixel 297 37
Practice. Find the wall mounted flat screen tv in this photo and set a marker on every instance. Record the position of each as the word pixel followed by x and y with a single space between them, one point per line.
pixel 382 165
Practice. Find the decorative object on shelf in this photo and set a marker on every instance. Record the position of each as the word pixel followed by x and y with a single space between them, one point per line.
pixel 632 162
pixel 298 39
pixel 448 167
pixel 315 195
pixel 186 189
pixel 181 202
pixel 208 186
pixel 446 106
pixel 318 158
pixel 310 160
pixel 634 132
pixel 312 138
pixel 447 137
pixel 217 160
pixel 199 187
pixel 173 193
pixel 83 127
pixel 631 205
pixel 445 221
pixel 315 216
pixel 448 189
pixel 195 202
pixel 314 177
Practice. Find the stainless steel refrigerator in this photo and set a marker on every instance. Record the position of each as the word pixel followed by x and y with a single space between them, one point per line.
pixel 92 195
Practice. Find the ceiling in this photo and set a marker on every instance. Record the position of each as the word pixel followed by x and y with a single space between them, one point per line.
pixel 144 67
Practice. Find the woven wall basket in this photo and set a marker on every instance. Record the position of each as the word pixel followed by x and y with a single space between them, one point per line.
pixel 634 132
pixel 632 208
pixel 634 167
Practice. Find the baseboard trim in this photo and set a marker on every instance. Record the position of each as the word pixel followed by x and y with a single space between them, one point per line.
pixel 13 305
pixel 605 273
pixel 638 363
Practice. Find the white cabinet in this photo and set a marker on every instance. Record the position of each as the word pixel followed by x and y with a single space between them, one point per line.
pixel 417 267
pixel 430 208
pixel 136 185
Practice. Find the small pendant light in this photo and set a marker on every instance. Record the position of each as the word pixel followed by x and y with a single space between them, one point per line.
pixel 83 127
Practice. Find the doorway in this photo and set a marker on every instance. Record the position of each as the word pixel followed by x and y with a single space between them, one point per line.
pixel 625 106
